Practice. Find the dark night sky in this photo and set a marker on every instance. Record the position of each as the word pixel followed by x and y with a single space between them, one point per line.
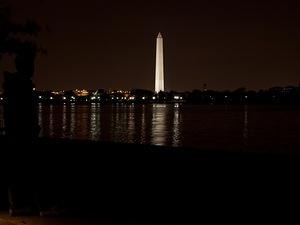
pixel 111 44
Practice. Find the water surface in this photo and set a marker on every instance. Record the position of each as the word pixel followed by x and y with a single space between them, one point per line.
pixel 243 128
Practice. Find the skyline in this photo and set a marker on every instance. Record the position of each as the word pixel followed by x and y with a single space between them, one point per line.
pixel 111 45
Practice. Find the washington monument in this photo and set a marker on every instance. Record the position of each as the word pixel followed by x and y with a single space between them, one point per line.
pixel 159 68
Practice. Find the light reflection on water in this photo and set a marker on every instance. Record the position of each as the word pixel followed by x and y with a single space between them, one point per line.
pixel 51 121
pixel 64 119
pixel 262 128
pixel 159 130
pixel 95 127
pixel 176 126
pixel 72 122
pixel 143 125
pixel 131 123
pixel 154 124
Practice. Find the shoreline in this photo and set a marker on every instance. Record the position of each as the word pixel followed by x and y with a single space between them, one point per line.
pixel 141 182
pixel 159 150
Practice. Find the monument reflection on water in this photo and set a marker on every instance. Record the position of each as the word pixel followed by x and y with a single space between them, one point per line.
pixel 156 124
pixel 229 127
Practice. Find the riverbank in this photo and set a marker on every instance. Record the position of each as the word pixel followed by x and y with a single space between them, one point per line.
pixel 5 219
pixel 142 182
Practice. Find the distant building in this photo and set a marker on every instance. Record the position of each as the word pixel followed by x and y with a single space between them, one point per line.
pixel 81 93
pixel 204 87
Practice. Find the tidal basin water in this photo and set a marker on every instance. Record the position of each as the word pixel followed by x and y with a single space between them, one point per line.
pixel 244 128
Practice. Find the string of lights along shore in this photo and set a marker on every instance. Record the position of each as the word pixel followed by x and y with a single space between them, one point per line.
pixel 159 68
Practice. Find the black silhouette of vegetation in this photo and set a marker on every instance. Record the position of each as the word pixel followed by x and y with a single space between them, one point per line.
pixel 20 111
pixel 289 95
pixel 20 116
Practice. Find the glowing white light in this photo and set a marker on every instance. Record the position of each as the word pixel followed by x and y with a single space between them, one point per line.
pixel 176 97
pixel 246 97
pixel 51 98
pixel 180 97
pixel 64 98
pixel 159 66
pixel 153 98
pixel 40 97
pixel 143 98
pixel 1 99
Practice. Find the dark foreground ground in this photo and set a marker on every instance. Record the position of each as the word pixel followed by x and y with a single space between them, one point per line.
pixel 147 184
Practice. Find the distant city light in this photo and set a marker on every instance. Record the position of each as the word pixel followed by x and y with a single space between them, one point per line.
pixel 275 94
pixel 1 99
pixel 82 92
pixel 55 92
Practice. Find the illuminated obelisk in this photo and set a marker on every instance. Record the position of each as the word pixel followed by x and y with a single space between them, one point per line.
pixel 159 68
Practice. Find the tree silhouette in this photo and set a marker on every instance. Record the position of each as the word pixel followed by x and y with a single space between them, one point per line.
pixel 20 116
pixel 20 108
